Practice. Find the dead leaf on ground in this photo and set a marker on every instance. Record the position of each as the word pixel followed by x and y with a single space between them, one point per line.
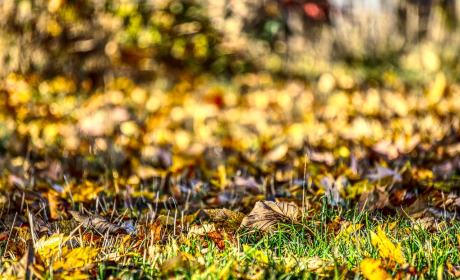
pixel 76 258
pixel 266 214
pixel 21 269
pixel 58 206
pixel 225 218
pixel 454 271
pixel 335 225
pixel 183 261
pixel 387 250
pixel 375 199
pixel 381 172
pixel 167 220
pixel 156 230
pixel 99 223
pixel 64 226
pixel 219 238
pixel 317 265
pixel 202 229
pixel 374 270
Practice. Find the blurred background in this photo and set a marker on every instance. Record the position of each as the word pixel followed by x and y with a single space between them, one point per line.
pixel 136 88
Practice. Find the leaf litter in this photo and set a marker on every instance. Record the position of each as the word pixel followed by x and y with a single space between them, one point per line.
pixel 190 176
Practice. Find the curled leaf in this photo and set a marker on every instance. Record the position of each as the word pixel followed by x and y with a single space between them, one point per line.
pixel 98 223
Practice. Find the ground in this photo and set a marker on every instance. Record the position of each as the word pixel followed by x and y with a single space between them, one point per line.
pixel 171 140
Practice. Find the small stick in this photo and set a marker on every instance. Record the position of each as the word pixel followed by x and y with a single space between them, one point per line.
pixel 11 232
pixel 70 193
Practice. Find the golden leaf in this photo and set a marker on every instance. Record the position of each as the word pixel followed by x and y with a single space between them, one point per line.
pixel 387 250
pixel 255 254
pixel 183 261
pixel 76 258
pixel 373 270
pixel 349 231
pixel 48 247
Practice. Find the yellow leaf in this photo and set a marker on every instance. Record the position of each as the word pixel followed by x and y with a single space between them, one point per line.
pixel 48 247
pixel 373 270
pixel 183 261
pixel 387 249
pixel 392 225
pixel 75 276
pixel 76 258
pixel 254 253
pixel 348 232
pixel 125 242
pixel 437 89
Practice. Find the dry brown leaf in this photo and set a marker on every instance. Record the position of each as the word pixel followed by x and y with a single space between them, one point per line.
pixel 277 153
pixel 381 172
pixel 217 237
pixel 225 218
pixel 190 218
pixel 317 265
pixel 99 223
pixel 268 213
pixel 21 269
pixel 372 200
pixel 336 225
pixel 58 206
pixel 156 230
pixel 202 229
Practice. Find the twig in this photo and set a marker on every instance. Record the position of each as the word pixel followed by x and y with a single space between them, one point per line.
pixel 11 232
pixel 70 193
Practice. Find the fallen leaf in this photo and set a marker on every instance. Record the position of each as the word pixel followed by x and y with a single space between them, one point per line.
pixel 374 270
pixel 58 206
pixel 183 261
pixel 255 254
pixel 202 229
pixel 219 238
pixel 277 153
pixel 156 230
pixel 387 250
pixel 21 269
pixel 48 247
pixel 167 220
pixel 452 269
pixel 268 213
pixel 99 223
pixel 372 200
pixel 78 257
pixel 225 218
pixel 336 225
pixel 381 172
pixel 317 265
pixel 349 231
